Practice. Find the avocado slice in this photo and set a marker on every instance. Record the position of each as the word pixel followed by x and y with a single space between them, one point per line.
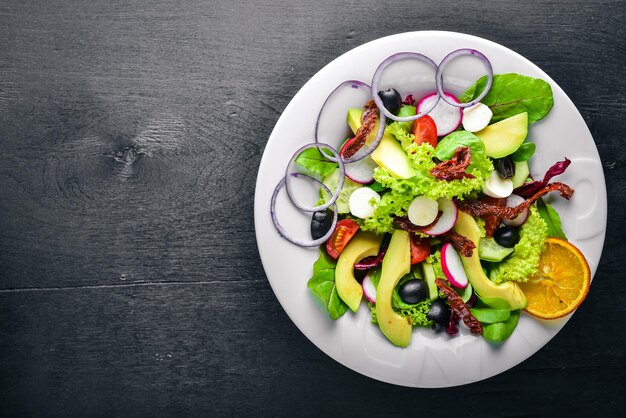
pixel 396 264
pixel 363 244
pixel 504 137
pixel 508 292
pixel 390 155
pixel 354 121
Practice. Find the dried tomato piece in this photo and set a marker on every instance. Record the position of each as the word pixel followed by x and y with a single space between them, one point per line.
pixel 460 243
pixel 368 121
pixel 454 168
pixel 459 308
pixel 492 221
pixel 402 222
pixel 482 208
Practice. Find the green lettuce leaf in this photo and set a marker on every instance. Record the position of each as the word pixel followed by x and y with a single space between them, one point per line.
pixel 312 160
pixel 511 94
pixel 525 260
pixel 552 219
pixel 323 285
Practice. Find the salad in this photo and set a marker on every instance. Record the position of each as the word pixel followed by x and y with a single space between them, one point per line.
pixel 427 212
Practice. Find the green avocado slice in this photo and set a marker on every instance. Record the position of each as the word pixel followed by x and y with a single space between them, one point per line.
pixel 508 292
pixel 396 264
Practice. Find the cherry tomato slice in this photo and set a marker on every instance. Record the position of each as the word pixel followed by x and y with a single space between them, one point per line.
pixel 343 233
pixel 425 130
pixel 420 249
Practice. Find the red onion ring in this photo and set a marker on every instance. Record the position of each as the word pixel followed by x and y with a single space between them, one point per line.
pixel 342 176
pixel 450 57
pixel 379 72
pixel 283 233
pixel 382 123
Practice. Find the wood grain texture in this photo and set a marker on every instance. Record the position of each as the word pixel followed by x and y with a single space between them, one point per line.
pixel 131 133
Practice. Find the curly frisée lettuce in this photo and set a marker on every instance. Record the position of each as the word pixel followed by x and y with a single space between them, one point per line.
pixel 524 262
pixel 402 191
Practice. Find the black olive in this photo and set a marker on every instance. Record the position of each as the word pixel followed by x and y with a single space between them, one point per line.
pixel 505 167
pixel 320 223
pixel 391 99
pixel 413 291
pixel 439 313
pixel 506 236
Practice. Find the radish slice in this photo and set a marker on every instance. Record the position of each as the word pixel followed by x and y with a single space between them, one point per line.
pixel 362 170
pixel 448 217
pixel 453 266
pixel 422 211
pixel 477 117
pixel 368 289
pixel 360 202
pixel 511 202
pixel 496 186
pixel 447 118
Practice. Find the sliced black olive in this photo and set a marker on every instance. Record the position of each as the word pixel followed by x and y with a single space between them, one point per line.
pixel 506 236
pixel 413 291
pixel 505 167
pixel 391 99
pixel 439 313
pixel 320 223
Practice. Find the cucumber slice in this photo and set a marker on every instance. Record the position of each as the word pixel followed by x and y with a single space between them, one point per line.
pixel 521 173
pixel 490 250
pixel 429 277
pixel 349 186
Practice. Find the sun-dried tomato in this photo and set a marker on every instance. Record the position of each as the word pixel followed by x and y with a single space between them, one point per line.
pixel 482 208
pixel 454 168
pixel 402 222
pixel 368 121
pixel 459 308
pixel 460 243
pixel 492 221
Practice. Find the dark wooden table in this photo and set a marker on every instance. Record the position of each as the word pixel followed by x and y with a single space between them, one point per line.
pixel 131 133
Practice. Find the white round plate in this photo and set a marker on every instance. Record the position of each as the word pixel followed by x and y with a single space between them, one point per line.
pixel 431 360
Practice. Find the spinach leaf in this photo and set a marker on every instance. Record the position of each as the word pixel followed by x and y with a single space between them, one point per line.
pixel 511 94
pixel 551 218
pixel 490 316
pixel 524 152
pixel 500 331
pixel 323 285
pixel 377 187
pixel 312 160
pixel 449 144
pixel 407 110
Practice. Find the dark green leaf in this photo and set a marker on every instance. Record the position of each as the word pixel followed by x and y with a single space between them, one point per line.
pixel 312 160
pixel 511 94
pixel 500 331
pixel 551 218
pixel 377 187
pixel 524 152
pixel 323 285
pixel 449 144
pixel 404 111
pixel 490 316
